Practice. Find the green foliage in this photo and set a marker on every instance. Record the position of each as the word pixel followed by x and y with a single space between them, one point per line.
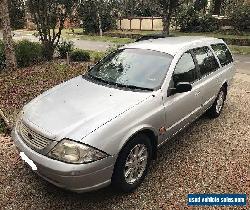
pixel 242 50
pixel 17 14
pixel 142 9
pixel 28 53
pixel 80 55
pixel 200 5
pixel 187 19
pixel 49 17
pixel 145 8
pixel 168 7
pixel 207 23
pixel 240 17
pixel 65 47
pixel 88 13
pixel 190 20
pixel 97 58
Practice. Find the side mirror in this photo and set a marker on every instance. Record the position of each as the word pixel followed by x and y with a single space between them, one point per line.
pixel 182 87
pixel 90 66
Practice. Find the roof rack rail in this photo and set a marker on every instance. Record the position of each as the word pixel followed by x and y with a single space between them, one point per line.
pixel 151 36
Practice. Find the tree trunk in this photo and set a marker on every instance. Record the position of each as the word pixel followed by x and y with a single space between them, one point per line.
pixel 217 7
pixel 48 50
pixel 7 37
pixel 166 24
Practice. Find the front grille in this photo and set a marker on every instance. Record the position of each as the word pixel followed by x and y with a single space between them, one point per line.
pixel 33 139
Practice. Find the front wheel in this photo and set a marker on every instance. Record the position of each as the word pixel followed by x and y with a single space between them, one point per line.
pixel 218 104
pixel 132 164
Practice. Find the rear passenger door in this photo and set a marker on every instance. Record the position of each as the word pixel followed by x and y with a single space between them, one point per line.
pixel 208 67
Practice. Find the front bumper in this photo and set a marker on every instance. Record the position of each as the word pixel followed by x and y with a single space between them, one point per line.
pixel 74 177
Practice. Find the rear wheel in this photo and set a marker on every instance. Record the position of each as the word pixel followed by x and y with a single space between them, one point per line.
pixel 218 104
pixel 132 164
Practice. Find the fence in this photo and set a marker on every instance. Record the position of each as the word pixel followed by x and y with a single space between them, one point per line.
pixel 140 23
pixel 155 23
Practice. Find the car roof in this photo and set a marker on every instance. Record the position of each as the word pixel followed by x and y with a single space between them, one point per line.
pixel 172 45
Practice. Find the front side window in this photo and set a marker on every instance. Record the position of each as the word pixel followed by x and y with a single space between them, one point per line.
pixel 185 70
pixel 206 61
pixel 133 68
pixel 223 53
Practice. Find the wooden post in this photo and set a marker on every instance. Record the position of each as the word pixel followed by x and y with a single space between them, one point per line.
pixel 67 56
pixel 140 22
pixel 130 23
pixel 152 23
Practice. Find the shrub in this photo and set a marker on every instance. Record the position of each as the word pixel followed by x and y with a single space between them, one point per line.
pixel 200 4
pixel 191 21
pixel 97 57
pixel 28 53
pixel 2 56
pixel 88 13
pixel 79 55
pixel 240 18
pixel 207 23
pixel 188 19
pixel 17 14
pixel 65 47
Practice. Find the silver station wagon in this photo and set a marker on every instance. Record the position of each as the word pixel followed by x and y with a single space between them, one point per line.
pixel 104 127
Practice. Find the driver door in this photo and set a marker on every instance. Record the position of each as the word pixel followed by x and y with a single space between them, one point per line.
pixel 183 108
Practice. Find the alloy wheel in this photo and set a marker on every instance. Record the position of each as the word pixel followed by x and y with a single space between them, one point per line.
pixel 136 163
pixel 220 101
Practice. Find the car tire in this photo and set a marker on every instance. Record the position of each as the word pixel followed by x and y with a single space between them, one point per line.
pixel 218 104
pixel 131 167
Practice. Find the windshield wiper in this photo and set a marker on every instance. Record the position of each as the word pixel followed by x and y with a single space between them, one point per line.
pixel 96 78
pixel 133 87
pixel 118 84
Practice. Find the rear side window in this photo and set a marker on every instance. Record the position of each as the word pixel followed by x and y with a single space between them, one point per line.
pixel 185 70
pixel 223 54
pixel 206 61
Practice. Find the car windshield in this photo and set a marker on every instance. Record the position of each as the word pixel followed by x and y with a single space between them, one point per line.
pixel 132 68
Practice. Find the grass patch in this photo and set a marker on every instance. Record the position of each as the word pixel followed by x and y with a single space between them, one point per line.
pixel 243 50
pixel 177 33
pixel 67 33
pixel 216 35
pixel 115 40
pixel 135 32
pixel 95 55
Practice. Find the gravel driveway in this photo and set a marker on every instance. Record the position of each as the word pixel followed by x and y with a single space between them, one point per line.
pixel 211 156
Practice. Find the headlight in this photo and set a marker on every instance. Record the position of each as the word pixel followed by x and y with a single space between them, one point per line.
pixel 73 152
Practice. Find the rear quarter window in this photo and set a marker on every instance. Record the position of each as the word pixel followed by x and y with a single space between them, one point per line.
pixel 206 60
pixel 223 53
